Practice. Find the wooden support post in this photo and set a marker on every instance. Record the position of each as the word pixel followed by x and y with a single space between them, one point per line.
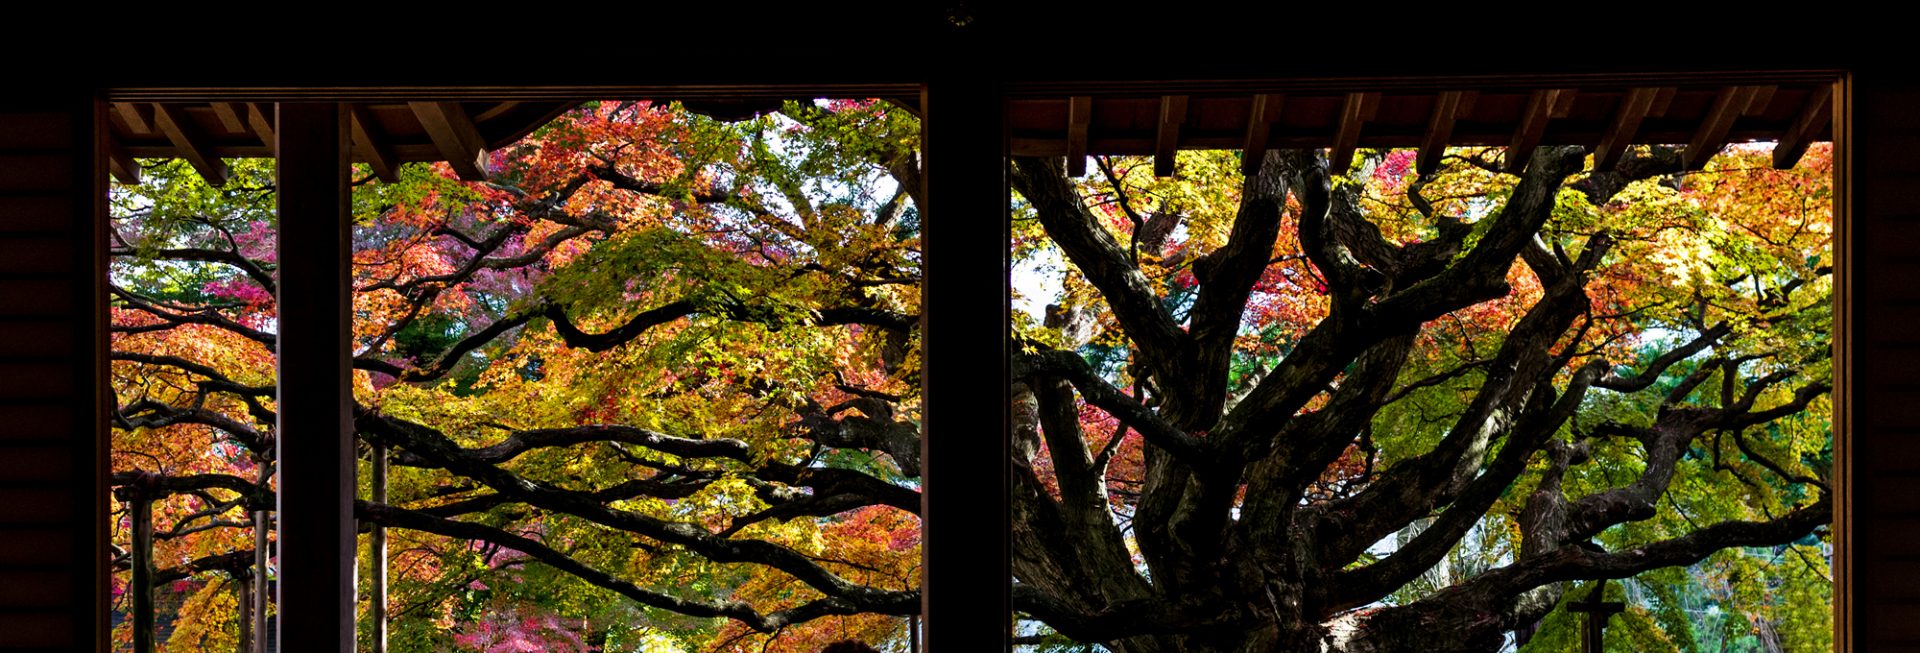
pixel 140 586
pixel 243 602
pixel 965 582
pixel 261 526
pixel 377 547
pixel 316 589
pixel 1593 637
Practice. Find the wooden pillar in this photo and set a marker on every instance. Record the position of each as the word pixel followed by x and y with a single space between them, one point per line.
pixel 965 582
pixel 140 586
pixel 316 459
pixel 243 601
pixel 261 526
pixel 913 634
pixel 378 545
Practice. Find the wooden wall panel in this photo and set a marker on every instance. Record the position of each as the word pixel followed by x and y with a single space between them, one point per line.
pixel 52 509
pixel 1885 308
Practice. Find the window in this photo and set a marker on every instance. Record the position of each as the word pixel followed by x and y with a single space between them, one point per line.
pixel 646 377
pixel 936 310
pixel 1215 410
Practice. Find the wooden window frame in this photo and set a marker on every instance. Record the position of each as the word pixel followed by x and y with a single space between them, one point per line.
pixel 966 171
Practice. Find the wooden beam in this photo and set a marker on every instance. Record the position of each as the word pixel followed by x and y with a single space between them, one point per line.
pixel 1173 112
pixel 230 119
pixel 1712 134
pixel 1626 122
pixel 453 133
pixel 1447 109
pixel 1261 115
pixel 260 122
pixel 1762 97
pixel 1543 106
pixel 121 165
pixel 137 115
pixel 1079 115
pixel 1814 116
pixel 1662 100
pixel 1359 108
pixel 315 394
pixel 370 145
pixel 494 111
pixel 189 143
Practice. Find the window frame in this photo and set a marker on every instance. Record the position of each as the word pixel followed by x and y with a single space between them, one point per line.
pixel 972 182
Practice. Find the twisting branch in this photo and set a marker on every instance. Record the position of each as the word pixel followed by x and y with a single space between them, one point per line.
pixel 738 610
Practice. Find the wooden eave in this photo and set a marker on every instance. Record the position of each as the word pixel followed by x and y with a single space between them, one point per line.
pixel 224 130
pixel 1600 117
pixel 1108 125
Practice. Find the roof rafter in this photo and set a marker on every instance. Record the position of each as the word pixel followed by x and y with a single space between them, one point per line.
pixel 1814 115
pixel 192 144
pixel 1260 118
pixel 1358 109
pixel 1708 140
pixel 229 115
pixel 371 146
pixel 260 122
pixel 453 132
pixel 1079 115
pixel 1633 109
pixel 1543 106
pixel 120 164
pixel 1450 106
pixel 1173 112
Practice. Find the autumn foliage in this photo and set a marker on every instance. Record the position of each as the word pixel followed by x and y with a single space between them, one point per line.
pixel 651 386
pixel 1386 411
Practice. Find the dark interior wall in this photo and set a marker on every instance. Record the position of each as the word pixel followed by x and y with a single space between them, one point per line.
pixel 1886 364
pixel 51 505
pixel 52 510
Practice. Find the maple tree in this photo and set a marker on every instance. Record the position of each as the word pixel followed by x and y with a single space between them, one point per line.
pixel 1381 411
pixel 653 385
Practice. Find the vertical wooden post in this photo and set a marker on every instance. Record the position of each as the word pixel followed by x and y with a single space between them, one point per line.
pixel 243 602
pixel 140 587
pixel 378 546
pixel 964 325
pixel 1594 636
pixel 261 526
pixel 1844 390
pixel 316 459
